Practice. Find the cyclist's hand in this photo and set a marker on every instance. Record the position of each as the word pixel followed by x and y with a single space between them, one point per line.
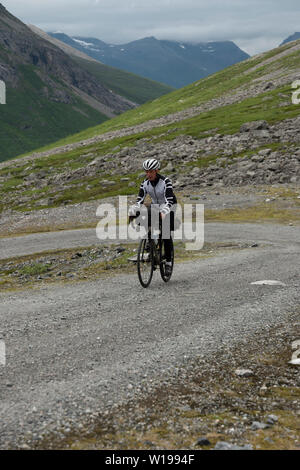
pixel 132 211
pixel 162 215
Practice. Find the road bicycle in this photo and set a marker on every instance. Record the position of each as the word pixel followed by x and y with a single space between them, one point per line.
pixel 151 255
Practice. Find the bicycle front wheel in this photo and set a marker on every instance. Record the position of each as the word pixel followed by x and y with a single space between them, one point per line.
pixel 145 262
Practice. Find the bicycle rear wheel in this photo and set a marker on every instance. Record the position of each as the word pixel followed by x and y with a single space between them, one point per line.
pixel 145 262
pixel 162 264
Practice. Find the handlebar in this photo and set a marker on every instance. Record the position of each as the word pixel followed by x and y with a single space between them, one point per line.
pixel 132 217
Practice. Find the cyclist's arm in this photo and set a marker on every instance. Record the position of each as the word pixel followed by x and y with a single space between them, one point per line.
pixel 141 195
pixel 170 198
pixel 134 210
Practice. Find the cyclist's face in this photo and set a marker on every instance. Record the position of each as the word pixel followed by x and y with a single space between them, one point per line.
pixel 151 174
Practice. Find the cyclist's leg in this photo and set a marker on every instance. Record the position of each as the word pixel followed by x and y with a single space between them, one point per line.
pixel 148 226
pixel 167 235
pixel 168 250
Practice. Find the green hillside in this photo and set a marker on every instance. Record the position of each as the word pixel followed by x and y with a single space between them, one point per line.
pixel 95 169
pixel 212 87
pixel 135 88
pixel 227 118
pixel 30 119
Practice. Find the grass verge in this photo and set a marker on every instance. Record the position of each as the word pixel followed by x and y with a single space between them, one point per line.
pixel 265 212
pixel 87 264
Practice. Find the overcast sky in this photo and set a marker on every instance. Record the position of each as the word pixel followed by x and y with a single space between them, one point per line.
pixel 254 25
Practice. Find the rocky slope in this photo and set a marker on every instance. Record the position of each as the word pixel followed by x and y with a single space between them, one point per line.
pixel 258 154
pixel 217 142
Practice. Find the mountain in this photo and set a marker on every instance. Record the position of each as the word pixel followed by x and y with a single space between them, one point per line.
pixel 236 127
pixel 291 38
pixel 71 51
pixel 49 95
pixel 131 86
pixel 174 63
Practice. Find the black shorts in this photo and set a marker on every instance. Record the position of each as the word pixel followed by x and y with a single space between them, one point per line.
pixel 167 224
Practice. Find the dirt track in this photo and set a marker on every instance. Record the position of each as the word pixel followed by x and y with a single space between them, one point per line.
pixel 74 350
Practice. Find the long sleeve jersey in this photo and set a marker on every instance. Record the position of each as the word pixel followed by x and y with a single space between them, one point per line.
pixel 160 191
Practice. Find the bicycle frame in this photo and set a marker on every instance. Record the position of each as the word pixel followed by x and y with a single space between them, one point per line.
pixel 151 255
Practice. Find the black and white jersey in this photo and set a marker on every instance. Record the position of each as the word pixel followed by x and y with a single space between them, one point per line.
pixel 160 191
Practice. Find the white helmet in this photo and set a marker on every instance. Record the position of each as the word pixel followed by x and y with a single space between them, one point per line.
pixel 151 164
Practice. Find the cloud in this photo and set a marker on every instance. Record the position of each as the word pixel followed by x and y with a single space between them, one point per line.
pixel 254 25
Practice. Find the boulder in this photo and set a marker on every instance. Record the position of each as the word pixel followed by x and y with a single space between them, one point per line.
pixel 254 126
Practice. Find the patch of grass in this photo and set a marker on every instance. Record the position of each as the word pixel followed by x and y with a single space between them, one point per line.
pixel 281 192
pixel 34 269
pixel 265 212
pixel 228 119
pixel 87 190
pixel 278 437
pixel 202 162
pixel 291 61
pixel 288 393
pixel 10 184
pixel 67 265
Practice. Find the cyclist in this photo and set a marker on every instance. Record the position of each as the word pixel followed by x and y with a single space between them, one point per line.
pixel 161 192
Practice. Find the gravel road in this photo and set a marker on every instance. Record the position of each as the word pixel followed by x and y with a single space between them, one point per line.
pixel 213 232
pixel 75 350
